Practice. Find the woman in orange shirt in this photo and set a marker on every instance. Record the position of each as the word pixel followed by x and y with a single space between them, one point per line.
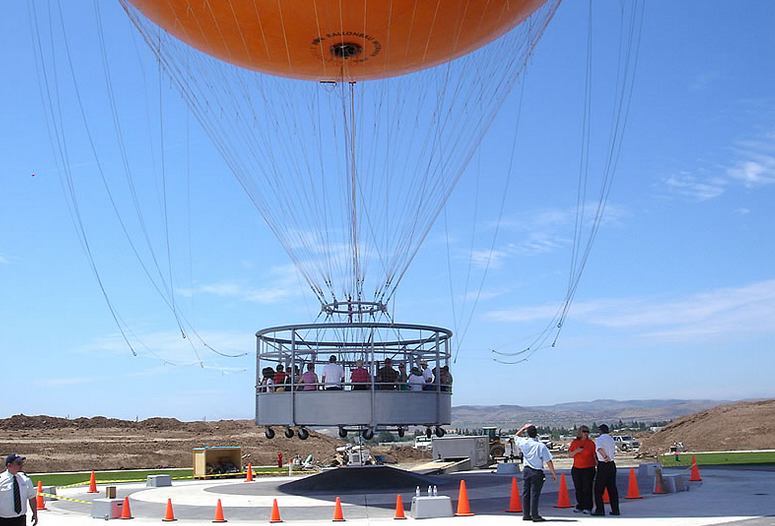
pixel 582 450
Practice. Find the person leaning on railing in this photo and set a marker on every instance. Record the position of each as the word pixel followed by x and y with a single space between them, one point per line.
pixel 445 378
pixel 402 377
pixel 360 377
pixel 387 376
pixel 416 382
pixel 309 380
pixel 267 382
pixel 333 375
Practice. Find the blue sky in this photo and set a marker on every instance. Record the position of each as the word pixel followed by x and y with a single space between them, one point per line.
pixel 677 299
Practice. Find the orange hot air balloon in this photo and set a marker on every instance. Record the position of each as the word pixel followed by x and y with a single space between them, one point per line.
pixel 335 40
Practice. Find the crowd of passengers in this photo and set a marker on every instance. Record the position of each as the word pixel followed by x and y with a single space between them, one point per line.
pixel 332 378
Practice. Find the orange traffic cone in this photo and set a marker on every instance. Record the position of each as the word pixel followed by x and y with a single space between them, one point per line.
pixel 275 513
pixel 338 515
pixel 463 507
pixel 695 476
pixel 40 502
pixel 399 516
pixel 169 515
pixel 92 483
pixel 126 511
pixel 249 476
pixel 515 502
pixel 632 488
pixel 563 499
pixel 659 484
pixel 219 513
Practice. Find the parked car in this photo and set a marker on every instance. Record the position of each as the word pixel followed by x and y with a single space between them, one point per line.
pixel 625 442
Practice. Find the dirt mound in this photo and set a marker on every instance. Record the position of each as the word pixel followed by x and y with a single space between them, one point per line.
pixel 733 427
pixel 61 444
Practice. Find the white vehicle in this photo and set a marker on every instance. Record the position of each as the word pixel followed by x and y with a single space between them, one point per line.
pixel 546 440
pixel 422 442
pixel 355 455
pixel 625 442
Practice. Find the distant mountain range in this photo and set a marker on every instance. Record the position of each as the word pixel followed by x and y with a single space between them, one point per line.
pixel 569 413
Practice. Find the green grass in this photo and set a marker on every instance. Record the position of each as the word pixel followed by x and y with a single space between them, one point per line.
pixel 720 458
pixel 65 479
pixel 103 477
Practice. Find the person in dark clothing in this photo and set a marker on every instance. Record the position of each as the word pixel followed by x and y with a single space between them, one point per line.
pixel 606 472
pixel 387 377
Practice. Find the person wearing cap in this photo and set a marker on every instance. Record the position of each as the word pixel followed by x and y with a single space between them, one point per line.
pixel 606 472
pixel 584 454
pixel 17 493
pixel 534 455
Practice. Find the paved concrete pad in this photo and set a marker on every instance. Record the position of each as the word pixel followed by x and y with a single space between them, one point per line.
pixel 744 497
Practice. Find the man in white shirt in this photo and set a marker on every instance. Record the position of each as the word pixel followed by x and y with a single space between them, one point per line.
pixel 606 472
pixel 534 455
pixel 16 493
pixel 427 375
pixel 333 375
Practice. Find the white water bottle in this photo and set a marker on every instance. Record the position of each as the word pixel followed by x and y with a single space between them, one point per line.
pixel 435 491
pixel 417 491
pixel 429 490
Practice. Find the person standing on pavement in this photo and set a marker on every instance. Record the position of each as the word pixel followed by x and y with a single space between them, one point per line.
pixel 534 455
pixel 17 493
pixel 584 454
pixel 606 472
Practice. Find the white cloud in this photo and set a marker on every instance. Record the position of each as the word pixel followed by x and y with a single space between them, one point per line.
pixel 757 171
pixel 4 260
pixel 727 312
pixel 695 188
pixel 543 231
pixel 752 165
pixel 285 285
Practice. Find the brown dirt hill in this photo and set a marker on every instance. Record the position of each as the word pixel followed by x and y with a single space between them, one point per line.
pixel 739 426
pixel 60 444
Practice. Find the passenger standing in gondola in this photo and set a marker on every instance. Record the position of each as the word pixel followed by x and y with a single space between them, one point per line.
pixel 360 377
pixel 402 377
pixel 415 381
pixel 279 378
pixel 427 375
pixel 309 380
pixel 333 375
pixel 387 376
pixel 267 382
pixel 446 379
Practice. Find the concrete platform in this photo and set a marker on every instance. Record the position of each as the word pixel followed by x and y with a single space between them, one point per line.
pixel 725 496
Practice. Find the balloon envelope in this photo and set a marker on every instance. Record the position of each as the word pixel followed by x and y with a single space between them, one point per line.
pixel 334 40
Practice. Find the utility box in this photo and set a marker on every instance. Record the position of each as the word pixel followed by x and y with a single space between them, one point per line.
pixel 158 481
pixel 217 461
pixel 106 508
pixel 475 448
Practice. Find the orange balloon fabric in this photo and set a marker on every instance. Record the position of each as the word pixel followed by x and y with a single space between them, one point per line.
pixel 337 39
